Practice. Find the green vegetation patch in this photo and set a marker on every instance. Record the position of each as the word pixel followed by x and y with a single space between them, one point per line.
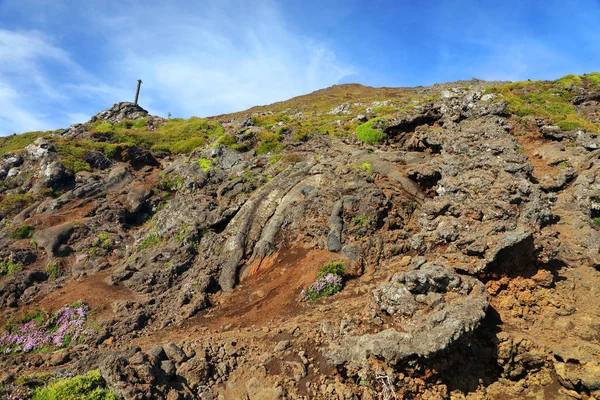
pixel 329 281
pixel 206 164
pixel 8 267
pixel 13 203
pixel 270 142
pixel 176 135
pixel 336 268
pixel 549 100
pixel 83 387
pixel 151 240
pixel 15 143
pixel 368 134
pixel 270 120
pixel 23 232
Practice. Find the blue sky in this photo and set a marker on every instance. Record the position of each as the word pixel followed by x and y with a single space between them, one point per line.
pixel 62 61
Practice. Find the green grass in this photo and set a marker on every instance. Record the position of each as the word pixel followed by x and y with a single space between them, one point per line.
pixel 269 121
pixel 15 321
pixel 23 232
pixel 53 270
pixel 549 100
pixel 569 80
pixel 274 159
pixel 593 78
pixel 597 221
pixel 366 133
pixel 151 240
pixel 83 387
pixel 270 142
pixel 13 143
pixel 13 203
pixel 176 136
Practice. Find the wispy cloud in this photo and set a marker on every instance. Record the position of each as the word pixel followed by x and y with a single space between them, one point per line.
pixel 24 85
pixel 194 58
pixel 221 57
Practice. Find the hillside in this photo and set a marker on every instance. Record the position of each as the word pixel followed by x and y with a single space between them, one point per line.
pixel 352 243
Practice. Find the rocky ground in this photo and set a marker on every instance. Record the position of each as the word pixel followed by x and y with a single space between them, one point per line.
pixel 468 230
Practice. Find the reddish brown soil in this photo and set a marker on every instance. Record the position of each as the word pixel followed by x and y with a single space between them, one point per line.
pixel 93 291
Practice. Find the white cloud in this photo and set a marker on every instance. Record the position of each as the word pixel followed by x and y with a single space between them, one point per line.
pixel 195 58
pixel 218 58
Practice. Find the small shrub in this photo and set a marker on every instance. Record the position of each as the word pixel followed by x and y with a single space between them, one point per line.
pixel 269 143
pixel 53 270
pixel 188 291
pixel 597 221
pixel 274 159
pixel 151 240
pixel 329 281
pixel 104 241
pixel 38 332
pixel 104 128
pixel 366 133
pixel 366 167
pixel 206 163
pixel 336 268
pixel 84 387
pixel 227 140
pixel 23 232
pixel 325 286
pixel 360 220
pixel 8 267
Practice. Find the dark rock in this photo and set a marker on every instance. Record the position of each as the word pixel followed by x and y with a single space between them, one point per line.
pixel 174 352
pixel 40 149
pixel 425 333
pixel 97 159
pixel 336 225
pixel 168 368
pixel 121 112
pixel 50 239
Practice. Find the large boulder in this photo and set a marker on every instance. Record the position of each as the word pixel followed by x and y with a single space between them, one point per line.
pixel 50 239
pixel 121 111
pixel 40 149
pixel 432 307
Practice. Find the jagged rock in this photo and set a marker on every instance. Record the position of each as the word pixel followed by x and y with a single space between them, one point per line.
pixel 8 162
pixel 513 251
pixel 40 149
pixel 555 133
pixel 50 239
pixel 342 109
pixel 74 131
pixel 174 353
pixel 195 371
pixel 457 303
pixel 53 175
pixel 97 159
pixel 120 112
pixel 137 198
pixel 336 225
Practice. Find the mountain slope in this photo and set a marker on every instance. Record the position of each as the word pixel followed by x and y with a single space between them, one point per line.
pixel 351 243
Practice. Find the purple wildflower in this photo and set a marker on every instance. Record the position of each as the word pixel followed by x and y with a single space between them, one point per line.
pixel 68 322
pixel 325 286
